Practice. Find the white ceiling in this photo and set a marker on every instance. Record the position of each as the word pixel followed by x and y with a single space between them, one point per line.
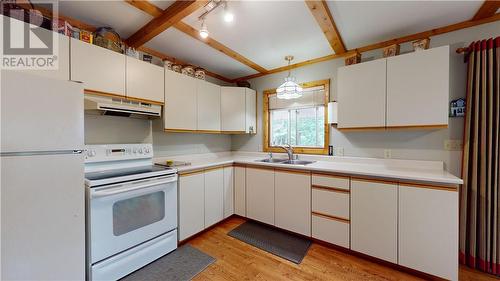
pixel 184 47
pixel 266 31
pixel 361 23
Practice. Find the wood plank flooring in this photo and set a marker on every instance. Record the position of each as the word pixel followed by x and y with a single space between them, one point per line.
pixel 239 261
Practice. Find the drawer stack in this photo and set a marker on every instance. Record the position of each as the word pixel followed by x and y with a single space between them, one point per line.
pixel 330 209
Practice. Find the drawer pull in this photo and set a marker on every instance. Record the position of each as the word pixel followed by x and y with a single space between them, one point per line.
pixel 332 189
pixel 331 217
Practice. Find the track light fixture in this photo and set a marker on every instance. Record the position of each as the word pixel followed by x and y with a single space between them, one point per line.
pixel 203 30
pixel 209 7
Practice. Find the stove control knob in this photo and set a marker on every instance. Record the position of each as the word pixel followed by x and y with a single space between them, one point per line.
pixel 146 150
pixel 140 150
pixel 92 153
pixel 135 150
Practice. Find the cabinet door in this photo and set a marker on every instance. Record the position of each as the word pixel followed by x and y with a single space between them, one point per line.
pixel 191 205
pixel 240 191
pixel 418 88
pixel 374 218
pixel 260 195
pixel 145 80
pixel 228 191
pixel 214 196
pixel 428 230
pixel 293 201
pixel 361 90
pixel 208 105
pixel 251 107
pixel 233 109
pixel 98 68
pixel 180 102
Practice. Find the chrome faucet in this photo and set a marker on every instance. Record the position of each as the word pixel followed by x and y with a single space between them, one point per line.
pixel 289 150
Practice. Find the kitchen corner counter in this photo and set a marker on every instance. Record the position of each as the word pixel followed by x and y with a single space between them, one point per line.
pixel 427 172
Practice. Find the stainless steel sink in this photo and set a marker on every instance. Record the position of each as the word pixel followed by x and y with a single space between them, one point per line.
pixel 297 162
pixel 272 160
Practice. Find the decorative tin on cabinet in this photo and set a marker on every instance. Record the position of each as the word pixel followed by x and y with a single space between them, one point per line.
pixel 457 108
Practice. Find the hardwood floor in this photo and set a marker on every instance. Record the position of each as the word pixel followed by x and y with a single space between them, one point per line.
pixel 239 261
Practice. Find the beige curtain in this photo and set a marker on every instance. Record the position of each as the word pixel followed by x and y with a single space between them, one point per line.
pixel 479 195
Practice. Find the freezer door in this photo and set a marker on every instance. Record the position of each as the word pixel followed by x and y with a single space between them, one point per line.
pixel 42 217
pixel 40 114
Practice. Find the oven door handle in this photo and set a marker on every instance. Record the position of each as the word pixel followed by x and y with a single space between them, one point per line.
pixel 118 190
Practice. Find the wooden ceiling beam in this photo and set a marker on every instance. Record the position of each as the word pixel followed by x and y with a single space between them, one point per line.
pixel 170 16
pixel 379 45
pixel 319 9
pixel 155 11
pixel 488 9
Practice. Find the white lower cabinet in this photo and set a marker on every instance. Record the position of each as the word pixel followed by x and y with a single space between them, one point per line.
pixel 374 219
pixel 293 201
pixel 240 191
pixel 330 230
pixel 428 230
pixel 214 195
pixel 228 191
pixel 191 204
pixel 260 195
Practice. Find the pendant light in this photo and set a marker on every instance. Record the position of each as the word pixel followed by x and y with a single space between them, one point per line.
pixel 289 89
pixel 203 30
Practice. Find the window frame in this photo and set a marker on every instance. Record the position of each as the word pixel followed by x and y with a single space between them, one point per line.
pixel 297 149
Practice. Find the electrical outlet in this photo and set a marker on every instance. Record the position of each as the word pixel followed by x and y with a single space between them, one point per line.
pixel 387 153
pixel 453 145
pixel 339 151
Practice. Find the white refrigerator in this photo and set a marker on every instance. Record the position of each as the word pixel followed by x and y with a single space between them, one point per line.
pixel 42 179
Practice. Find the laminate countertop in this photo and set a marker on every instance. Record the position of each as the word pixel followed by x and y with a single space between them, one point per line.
pixel 427 172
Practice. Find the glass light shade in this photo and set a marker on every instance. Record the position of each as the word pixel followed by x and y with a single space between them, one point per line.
pixel 289 89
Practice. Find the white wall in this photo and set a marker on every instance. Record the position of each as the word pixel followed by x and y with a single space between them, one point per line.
pixel 405 144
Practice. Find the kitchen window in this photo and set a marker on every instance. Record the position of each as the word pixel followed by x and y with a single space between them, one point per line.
pixel 300 122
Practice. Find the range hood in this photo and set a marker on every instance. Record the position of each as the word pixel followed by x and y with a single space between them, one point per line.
pixel 115 106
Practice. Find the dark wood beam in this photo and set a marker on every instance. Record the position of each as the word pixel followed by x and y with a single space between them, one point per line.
pixel 321 12
pixel 170 16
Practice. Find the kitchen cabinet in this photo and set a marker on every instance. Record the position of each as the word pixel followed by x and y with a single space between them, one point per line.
pixel 361 95
pixel 191 204
pixel 214 195
pixel 240 191
pixel 428 229
pixel 374 218
pixel 418 88
pixel 100 69
pixel 144 80
pixel 208 106
pixel 180 110
pixel 331 209
pixel 293 201
pixel 228 191
pixel 260 194
pixel 251 111
pixel 233 109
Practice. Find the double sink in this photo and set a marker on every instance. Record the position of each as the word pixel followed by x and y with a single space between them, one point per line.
pixel 286 161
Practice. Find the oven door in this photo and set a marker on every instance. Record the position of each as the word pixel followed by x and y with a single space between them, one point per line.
pixel 126 214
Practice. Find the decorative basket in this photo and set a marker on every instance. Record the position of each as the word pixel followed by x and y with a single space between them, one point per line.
pixel 200 73
pixel 353 59
pixel 176 68
pixel 391 51
pixel 188 70
pixel 422 44
pixel 168 64
pixel 243 83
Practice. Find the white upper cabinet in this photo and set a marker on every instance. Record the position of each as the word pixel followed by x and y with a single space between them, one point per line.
pixel 361 95
pixel 208 106
pixel 145 80
pixel 180 102
pixel 98 68
pixel 233 109
pixel 418 88
pixel 251 111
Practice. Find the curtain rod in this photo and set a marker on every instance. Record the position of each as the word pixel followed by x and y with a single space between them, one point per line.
pixel 463 50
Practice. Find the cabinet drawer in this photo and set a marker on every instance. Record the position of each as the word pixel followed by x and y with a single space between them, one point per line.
pixel 330 230
pixel 331 203
pixel 330 181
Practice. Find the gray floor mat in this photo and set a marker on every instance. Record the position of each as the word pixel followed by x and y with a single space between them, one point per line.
pixel 283 244
pixel 181 265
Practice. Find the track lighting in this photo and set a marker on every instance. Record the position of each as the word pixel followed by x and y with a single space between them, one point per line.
pixel 228 16
pixel 203 30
